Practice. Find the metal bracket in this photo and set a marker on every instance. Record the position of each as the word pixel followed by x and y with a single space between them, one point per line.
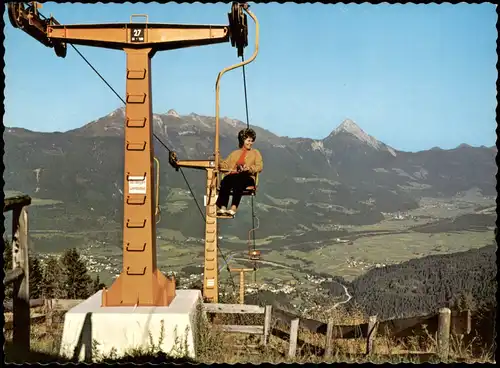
pixel 139 16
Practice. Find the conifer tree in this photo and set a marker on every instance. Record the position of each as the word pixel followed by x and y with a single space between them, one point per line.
pixel 75 276
pixel 53 283
pixel 36 278
pixel 97 285
pixel 35 275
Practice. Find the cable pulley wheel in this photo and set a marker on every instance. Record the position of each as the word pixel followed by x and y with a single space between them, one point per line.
pixel 238 27
pixel 14 10
pixel 35 24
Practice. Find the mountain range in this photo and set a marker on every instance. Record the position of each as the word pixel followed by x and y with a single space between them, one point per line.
pixel 347 178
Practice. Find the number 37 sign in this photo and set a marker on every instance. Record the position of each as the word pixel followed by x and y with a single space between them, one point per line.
pixel 137 35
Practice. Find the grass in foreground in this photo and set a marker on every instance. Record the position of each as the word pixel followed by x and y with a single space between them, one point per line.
pixel 214 346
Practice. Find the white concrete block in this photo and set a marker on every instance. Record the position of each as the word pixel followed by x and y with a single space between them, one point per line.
pixel 91 331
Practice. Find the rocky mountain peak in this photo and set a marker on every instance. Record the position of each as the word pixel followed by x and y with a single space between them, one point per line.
pixel 119 112
pixel 173 113
pixel 348 126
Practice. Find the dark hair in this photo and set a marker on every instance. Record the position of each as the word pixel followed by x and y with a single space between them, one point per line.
pixel 244 134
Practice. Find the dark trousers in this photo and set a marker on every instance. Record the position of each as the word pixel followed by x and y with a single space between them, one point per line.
pixel 238 183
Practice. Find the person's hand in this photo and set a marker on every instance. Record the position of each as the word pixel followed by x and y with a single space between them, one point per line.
pixel 245 168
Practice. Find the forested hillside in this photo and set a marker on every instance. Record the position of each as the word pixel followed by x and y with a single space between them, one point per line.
pixel 422 285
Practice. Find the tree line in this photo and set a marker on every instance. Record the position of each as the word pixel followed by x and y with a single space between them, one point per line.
pixel 58 277
pixel 462 280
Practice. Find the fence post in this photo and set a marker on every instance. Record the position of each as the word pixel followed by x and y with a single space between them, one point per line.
pixel 21 293
pixel 294 334
pixel 242 287
pixel 48 313
pixel 372 332
pixel 443 333
pixel 267 324
pixel 329 339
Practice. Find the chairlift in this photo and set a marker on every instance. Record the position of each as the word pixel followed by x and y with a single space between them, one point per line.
pixel 254 255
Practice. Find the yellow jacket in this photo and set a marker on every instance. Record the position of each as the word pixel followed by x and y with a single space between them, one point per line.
pixel 253 160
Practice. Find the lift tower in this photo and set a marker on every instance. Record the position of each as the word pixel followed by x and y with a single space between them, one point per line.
pixel 140 282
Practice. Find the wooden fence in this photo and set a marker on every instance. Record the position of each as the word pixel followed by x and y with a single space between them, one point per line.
pixel 49 307
pixel 442 324
pixel 19 275
pixel 263 330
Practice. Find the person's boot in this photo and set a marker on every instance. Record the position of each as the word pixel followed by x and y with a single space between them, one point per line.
pixel 221 211
pixel 232 211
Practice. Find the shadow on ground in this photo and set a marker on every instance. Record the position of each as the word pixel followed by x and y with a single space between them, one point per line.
pixel 13 355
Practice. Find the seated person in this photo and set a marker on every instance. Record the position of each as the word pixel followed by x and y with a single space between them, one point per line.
pixel 244 163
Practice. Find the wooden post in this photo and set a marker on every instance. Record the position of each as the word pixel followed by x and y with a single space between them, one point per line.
pixel 469 322
pixel 372 332
pixel 267 324
pixel 242 287
pixel 21 294
pixel 294 334
pixel 48 313
pixel 443 333
pixel 329 340
pixel 242 281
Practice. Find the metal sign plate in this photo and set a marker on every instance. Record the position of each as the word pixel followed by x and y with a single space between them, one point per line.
pixel 137 35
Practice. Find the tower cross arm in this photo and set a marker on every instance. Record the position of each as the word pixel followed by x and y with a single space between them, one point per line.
pixel 157 36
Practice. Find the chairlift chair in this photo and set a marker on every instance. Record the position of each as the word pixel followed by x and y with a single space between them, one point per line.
pixel 251 190
pixel 254 255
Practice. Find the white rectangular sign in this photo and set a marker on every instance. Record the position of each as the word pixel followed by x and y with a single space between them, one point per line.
pixel 136 185
pixel 205 202
pixel 210 282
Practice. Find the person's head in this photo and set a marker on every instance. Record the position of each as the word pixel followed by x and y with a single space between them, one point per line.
pixel 246 138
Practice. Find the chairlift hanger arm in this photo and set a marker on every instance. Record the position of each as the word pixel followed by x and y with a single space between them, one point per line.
pixel 239 38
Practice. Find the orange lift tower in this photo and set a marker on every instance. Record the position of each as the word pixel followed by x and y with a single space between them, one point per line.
pixel 140 282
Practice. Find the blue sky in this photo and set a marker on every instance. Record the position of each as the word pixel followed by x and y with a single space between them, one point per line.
pixel 413 76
